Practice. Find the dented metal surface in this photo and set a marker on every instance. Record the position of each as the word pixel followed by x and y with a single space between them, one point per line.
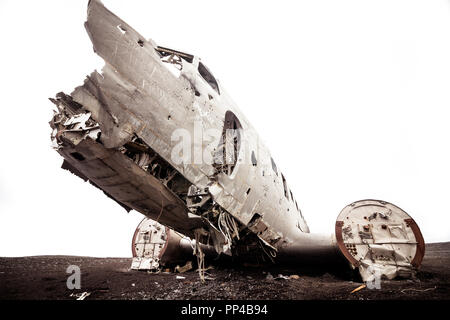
pixel 380 239
pixel 117 131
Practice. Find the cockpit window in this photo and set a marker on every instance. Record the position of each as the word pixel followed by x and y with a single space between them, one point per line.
pixel 204 72
pixel 173 59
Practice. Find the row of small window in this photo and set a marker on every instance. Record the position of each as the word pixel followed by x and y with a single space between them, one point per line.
pixel 286 189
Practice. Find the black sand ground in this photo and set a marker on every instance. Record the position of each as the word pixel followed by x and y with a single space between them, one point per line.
pixel 44 277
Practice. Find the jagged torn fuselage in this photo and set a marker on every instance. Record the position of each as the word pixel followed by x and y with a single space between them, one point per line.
pixel 136 104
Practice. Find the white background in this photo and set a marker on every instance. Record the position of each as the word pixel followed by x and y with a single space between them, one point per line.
pixel 352 98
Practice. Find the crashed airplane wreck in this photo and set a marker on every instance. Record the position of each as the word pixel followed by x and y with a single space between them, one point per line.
pixel 132 131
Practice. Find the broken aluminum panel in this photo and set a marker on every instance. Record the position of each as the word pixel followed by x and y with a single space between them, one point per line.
pixel 112 170
pixel 155 246
pixel 380 239
pixel 116 130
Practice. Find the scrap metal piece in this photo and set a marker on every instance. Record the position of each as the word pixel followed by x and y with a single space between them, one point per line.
pixel 358 288
pixel 185 268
